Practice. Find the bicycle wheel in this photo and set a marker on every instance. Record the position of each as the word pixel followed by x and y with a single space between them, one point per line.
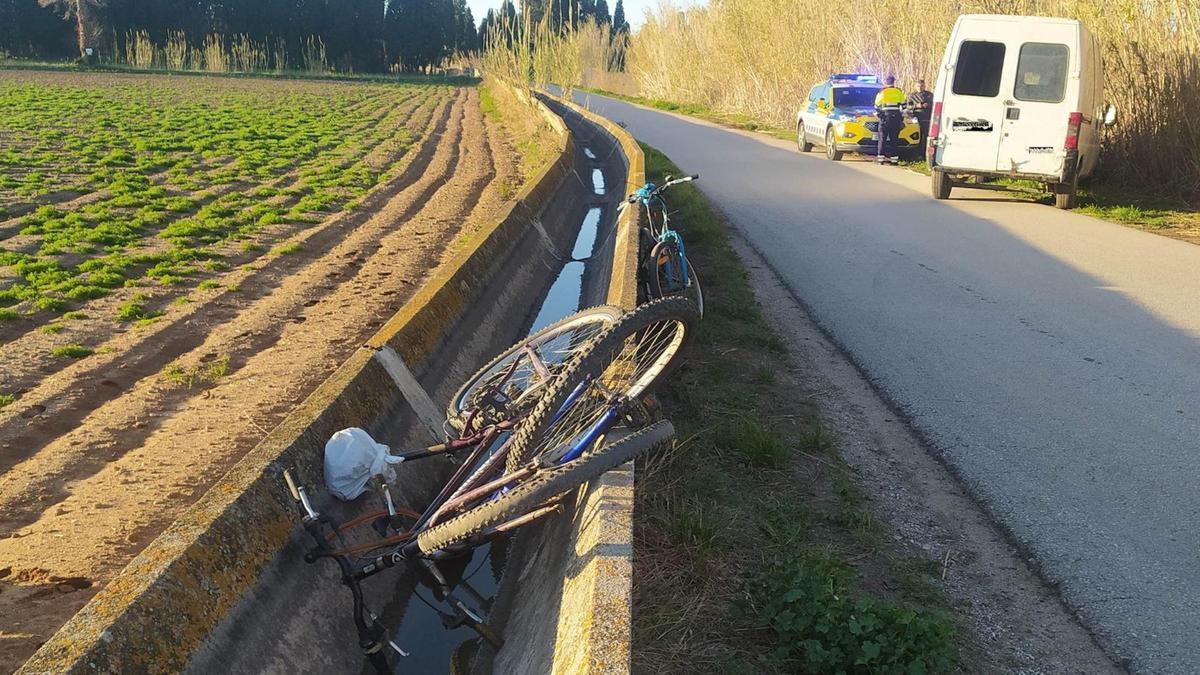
pixel 541 488
pixel 554 345
pixel 666 275
pixel 627 360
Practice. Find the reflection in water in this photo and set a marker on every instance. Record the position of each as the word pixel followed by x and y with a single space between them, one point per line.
pixel 589 233
pixel 563 297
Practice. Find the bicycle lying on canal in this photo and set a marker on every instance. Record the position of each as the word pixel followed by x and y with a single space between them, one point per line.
pixel 666 271
pixel 549 414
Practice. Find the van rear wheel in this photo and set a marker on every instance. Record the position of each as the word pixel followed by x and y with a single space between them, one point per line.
pixel 1066 194
pixel 940 184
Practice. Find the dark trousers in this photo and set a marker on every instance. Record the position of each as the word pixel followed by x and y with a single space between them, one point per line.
pixel 890 124
pixel 923 122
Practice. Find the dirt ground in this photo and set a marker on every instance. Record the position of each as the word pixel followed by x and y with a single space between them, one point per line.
pixel 98 457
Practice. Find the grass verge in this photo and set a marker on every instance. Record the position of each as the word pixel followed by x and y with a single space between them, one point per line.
pixel 755 551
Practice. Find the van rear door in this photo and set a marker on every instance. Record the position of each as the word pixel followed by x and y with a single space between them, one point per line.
pixel 1036 112
pixel 973 107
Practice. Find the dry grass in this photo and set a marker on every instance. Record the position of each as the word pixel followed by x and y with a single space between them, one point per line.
pixel 550 56
pixel 218 54
pixel 759 57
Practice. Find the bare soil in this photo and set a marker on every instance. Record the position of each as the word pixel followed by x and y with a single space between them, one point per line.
pixel 99 456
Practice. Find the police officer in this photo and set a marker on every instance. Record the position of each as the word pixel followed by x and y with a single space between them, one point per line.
pixel 921 103
pixel 887 107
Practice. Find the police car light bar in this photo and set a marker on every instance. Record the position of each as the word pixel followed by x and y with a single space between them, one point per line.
pixel 855 77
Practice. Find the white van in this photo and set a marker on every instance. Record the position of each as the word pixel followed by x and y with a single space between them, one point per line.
pixel 1020 97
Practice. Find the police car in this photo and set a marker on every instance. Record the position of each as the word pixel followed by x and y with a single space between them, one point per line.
pixel 840 115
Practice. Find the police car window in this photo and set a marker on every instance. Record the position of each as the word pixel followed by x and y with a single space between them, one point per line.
pixel 1042 72
pixel 854 97
pixel 978 70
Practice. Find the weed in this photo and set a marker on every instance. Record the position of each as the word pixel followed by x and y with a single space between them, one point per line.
pixel 208 284
pixel 135 309
pixel 487 103
pixel 72 316
pixel 201 374
pixel 234 288
pixel 807 602
pixel 72 351
pixel 7 399
pixel 7 314
pixel 52 328
pixel 815 439
pixel 288 248
pixel 757 443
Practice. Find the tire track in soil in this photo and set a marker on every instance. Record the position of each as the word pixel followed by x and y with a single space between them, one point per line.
pixel 144 353
pixel 132 498
pixel 14 350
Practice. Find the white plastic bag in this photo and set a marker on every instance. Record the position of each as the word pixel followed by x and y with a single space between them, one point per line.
pixel 352 458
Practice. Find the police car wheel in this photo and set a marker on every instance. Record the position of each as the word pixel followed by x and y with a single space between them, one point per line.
pixel 802 140
pixel 831 150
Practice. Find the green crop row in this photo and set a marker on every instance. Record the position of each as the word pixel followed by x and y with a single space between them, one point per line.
pixel 176 173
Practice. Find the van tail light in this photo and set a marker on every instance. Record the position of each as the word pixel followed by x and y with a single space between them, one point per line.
pixel 1073 124
pixel 935 128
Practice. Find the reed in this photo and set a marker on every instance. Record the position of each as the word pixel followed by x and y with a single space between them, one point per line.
pixel 139 50
pixel 312 53
pixel 177 52
pixel 542 54
pixel 759 57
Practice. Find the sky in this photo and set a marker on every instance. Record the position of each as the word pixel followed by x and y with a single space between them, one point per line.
pixel 634 9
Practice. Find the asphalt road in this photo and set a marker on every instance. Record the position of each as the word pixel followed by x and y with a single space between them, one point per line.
pixel 1054 359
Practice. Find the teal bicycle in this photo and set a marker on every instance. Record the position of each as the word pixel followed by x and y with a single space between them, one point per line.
pixel 666 270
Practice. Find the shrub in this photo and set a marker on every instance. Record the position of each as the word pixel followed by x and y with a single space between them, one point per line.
pixel 73 351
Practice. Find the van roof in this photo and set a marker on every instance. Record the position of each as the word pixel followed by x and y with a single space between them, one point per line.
pixel 1014 18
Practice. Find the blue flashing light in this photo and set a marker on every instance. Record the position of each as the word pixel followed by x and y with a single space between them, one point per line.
pixel 855 77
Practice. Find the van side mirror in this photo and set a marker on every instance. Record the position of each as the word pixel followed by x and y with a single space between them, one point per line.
pixel 820 103
pixel 1110 115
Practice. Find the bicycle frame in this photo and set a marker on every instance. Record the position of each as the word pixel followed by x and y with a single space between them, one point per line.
pixel 468 485
pixel 650 197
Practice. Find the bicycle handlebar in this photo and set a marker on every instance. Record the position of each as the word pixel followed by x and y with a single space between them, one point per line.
pixel 650 190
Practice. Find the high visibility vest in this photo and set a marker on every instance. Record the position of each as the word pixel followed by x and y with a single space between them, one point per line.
pixel 889 98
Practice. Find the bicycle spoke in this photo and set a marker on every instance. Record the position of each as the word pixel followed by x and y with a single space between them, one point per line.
pixel 630 370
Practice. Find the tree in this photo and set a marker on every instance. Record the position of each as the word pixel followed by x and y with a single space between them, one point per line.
pixel 620 35
pixel 620 25
pixel 464 28
pixel 420 33
pixel 601 13
pixel 89 22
